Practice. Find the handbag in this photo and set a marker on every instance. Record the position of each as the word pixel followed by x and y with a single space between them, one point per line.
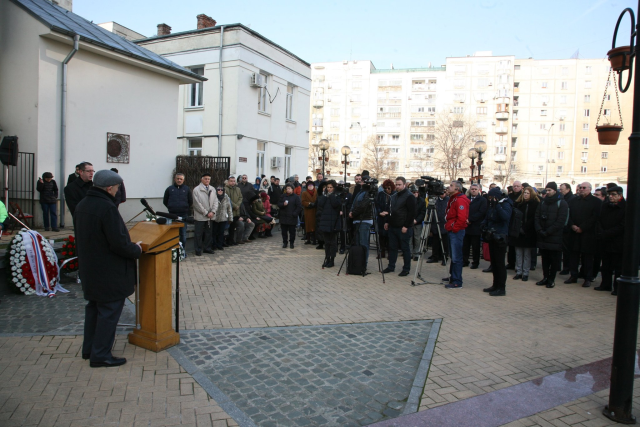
pixel 486 255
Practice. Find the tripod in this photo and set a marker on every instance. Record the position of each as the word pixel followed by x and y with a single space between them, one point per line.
pixel 432 217
pixel 375 239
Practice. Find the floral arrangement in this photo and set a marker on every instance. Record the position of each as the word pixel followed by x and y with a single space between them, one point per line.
pixel 33 265
pixel 68 253
pixel 174 253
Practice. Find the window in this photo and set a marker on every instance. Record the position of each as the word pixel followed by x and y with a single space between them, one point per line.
pixel 587 98
pixel 353 163
pixel 516 67
pixel 585 126
pixel 481 111
pixel 395 137
pixel 356 85
pixel 481 125
pixel 415 150
pixel 541 154
pixel 562 127
pixel 417 137
pixel 559 169
pixel 431 123
pixel 335 125
pixel 587 69
pixel 560 155
pixel 543 112
pixel 543 126
pixel 380 124
pixel 501 150
pixel 483 83
pixel 431 137
pixel 584 156
pixel 457 110
pixel 514 142
pixel 262 95
pixel 260 158
pixel 458 123
pixel 540 168
pixel 586 113
pixel 587 84
pixel 545 99
pixel 585 142
pixel 458 83
pixel 545 71
pixel 459 97
pixel 513 156
pixel 561 141
pixel 563 99
pixel 355 137
pixel 355 98
pixel 565 71
pixel 334 137
pixel 543 140
pixel 394 150
pixel 195 147
pixel 287 161
pixel 460 69
pixel 606 112
pixel 603 168
pixel 583 169
pixel 289 112
pixel 380 138
pixel 545 85
pixel 564 86
pixel 335 111
pixel 195 89
pixel 562 114
pixel 355 112
pixel 605 155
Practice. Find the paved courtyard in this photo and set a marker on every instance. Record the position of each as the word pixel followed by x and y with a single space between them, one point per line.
pixel 270 338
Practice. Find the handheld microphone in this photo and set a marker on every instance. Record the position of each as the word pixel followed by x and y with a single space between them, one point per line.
pixel 147 207
pixel 174 217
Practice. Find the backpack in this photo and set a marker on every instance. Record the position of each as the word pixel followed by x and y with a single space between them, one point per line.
pixel 357 261
pixel 516 223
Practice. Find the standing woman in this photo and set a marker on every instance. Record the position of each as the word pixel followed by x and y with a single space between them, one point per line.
pixel 383 207
pixel 48 190
pixel 321 200
pixel 290 208
pixel 527 203
pixel 497 222
pixel 223 217
pixel 330 224
pixel 309 199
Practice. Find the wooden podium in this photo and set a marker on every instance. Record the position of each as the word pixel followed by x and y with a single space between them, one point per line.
pixel 155 309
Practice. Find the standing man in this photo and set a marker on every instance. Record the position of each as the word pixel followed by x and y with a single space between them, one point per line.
pixel 497 220
pixel 247 190
pixel 319 179
pixel 610 231
pixel 274 193
pixel 551 217
pixel 357 186
pixel 567 195
pixel 478 206
pixel 234 193
pixel 205 205
pixel 457 216
pixel 76 174
pixel 421 212
pixel 584 211
pixel 400 226
pixel 362 216
pixel 108 272
pixel 514 195
pixel 77 189
pixel 178 200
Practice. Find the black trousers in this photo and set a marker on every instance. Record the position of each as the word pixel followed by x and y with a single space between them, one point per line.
pixel 100 322
pixel 203 236
pixel 611 267
pixel 471 244
pixel 288 232
pixel 232 231
pixel 511 256
pixel 534 258
pixel 597 262
pixel 330 244
pixel 551 261
pixel 343 239
pixel 587 264
pixel 566 253
pixel 497 251
pixel 217 233
pixel 436 249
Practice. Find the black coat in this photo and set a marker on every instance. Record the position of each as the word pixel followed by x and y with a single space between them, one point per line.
pixel 48 191
pixel 106 254
pixel 248 192
pixel 121 195
pixel 610 227
pixel 584 212
pixel 421 210
pixel 441 211
pixel 529 237
pixel 477 213
pixel 330 220
pixel 178 199
pixel 289 214
pixel 383 204
pixel 72 177
pixel 75 192
pixel 549 223
pixel 274 193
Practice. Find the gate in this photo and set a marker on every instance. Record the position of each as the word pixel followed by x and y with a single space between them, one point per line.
pixel 22 183
pixel 193 167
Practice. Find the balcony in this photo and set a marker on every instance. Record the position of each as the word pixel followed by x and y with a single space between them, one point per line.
pixel 316 129
pixel 498 172
pixel 502 130
pixel 501 115
pixel 389 101
pixel 503 100
pixel 416 88
pixel 389 115
pixel 423 129
pixel 500 157
pixel 419 115
pixel 318 103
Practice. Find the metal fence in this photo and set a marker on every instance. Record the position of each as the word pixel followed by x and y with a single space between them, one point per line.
pixel 22 182
pixel 193 167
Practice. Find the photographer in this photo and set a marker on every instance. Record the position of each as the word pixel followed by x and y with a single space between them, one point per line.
pixel 421 212
pixel 401 215
pixel 551 217
pixel 383 200
pixel 496 231
pixel 330 223
pixel 362 216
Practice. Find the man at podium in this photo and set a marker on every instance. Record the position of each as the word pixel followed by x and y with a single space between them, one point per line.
pixel 106 257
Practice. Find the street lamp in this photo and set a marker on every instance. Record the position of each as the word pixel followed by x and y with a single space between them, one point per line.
pixel 472 155
pixel 345 152
pixel 323 145
pixel 480 146
pixel 546 169
pixel 628 303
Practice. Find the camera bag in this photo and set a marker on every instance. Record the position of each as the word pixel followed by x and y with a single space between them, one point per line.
pixel 357 261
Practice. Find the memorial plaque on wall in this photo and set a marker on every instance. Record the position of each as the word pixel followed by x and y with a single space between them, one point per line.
pixel 117 148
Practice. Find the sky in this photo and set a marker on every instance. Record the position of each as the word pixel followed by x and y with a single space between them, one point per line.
pixel 403 33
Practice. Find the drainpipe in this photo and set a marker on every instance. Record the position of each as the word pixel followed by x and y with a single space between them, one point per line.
pixel 220 101
pixel 63 122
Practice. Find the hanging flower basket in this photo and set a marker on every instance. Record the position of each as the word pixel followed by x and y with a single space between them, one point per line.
pixel 620 58
pixel 608 134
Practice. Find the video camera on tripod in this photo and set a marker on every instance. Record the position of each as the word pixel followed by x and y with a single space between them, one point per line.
pixel 430 186
pixel 370 185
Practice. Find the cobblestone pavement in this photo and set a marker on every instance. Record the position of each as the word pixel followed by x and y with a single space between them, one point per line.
pixel 336 376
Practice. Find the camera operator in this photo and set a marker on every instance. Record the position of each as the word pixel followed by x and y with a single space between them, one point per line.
pixel 421 212
pixel 383 200
pixel 330 222
pixel 401 215
pixel 362 216
pixel 357 186
pixel 496 232
pixel 456 225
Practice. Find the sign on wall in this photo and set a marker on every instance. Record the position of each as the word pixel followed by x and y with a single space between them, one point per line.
pixel 117 148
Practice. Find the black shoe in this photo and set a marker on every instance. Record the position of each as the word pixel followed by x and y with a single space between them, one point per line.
pixel 330 263
pixel 55 229
pixel 220 248
pixel 551 285
pixel 571 279
pixel 601 288
pixel 431 260
pixel 284 245
pixel 465 264
pixel 46 229
pixel 586 283
pixel 387 270
pixel 614 293
pixel 198 253
pixel 498 293
pixel 532 268
pixel 403 273
pixel 517 277
pixel 113 361
pixel 491 289
pixel 307 242
pixel 224 245
pixel 320 247
pixel 543 282
pixel 208 251
pixel 252 237
pixel 473 266
pixel 564 272
pixel 510 267
pixel 341 251
pixel 525 278
pixel 488 269
pixel 446 279
pixel 415 258
pixel 291 245
pixel 86 356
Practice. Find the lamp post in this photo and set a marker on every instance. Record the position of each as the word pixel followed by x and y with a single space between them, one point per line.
pixel 628 303
pixel 472 155
pixel 323 145
pixel 345 152
pixel 480 146
pixel 546 169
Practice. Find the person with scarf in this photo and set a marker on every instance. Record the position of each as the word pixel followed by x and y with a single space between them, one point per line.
pixel 309 200
pixel 222 219
pixel 496 231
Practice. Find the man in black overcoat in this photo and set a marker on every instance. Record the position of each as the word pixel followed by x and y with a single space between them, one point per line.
pixel 477 212
pixel 610 234
pixel 106 257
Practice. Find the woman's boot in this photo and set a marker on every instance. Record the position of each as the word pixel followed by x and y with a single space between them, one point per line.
pixel 313 238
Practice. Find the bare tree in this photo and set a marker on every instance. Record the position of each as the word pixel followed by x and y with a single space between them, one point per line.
pixel 375 159
pixel 314 155
pixel 504 173
pixel 454 135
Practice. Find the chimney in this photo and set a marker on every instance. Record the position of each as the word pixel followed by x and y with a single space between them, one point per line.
pixel 164 30
pixel 205 21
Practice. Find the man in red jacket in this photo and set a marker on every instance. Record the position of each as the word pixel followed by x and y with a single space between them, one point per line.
pixel 457 215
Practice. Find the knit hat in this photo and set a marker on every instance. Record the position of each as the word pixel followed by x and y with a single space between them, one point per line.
pixel 47 175
pixel 552 185
pixel 496 192
pixel 106 178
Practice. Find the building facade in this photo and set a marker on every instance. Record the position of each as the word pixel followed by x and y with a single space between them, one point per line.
pixel 538 118
pixel 264 107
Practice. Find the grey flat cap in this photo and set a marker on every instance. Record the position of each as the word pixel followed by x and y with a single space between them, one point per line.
pixel 106 178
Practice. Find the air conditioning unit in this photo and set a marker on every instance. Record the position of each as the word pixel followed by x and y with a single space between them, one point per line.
pixel 559 145
pixel 539 172
pixel 257 80
pixel 584 160
pixel 557 174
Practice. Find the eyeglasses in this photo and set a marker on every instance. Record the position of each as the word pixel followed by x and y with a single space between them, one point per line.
pixel 220 189
pixel 582 188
